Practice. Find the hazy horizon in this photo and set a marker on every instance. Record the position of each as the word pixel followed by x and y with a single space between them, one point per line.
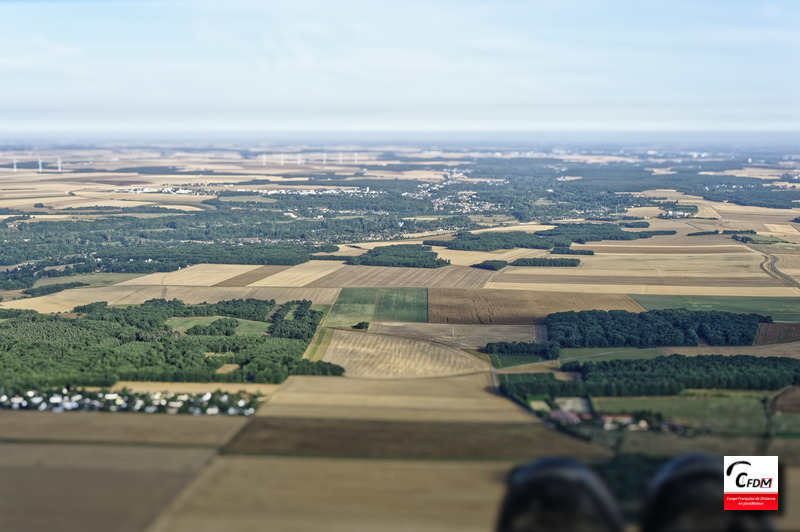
pixel 180 69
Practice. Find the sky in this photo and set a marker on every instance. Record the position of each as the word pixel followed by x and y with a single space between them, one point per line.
pixel 399 66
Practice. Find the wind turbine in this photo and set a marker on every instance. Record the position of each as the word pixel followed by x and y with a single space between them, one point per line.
pixel 282 156
pixel 59 165
pixel 324 158
pixel 40 165
pixel 15 166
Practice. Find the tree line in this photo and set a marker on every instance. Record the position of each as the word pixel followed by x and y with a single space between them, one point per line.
pixel 540 261
pixel 402 255
pixel 654 328
pixel 659 376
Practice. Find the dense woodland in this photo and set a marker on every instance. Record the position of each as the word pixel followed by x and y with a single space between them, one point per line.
pixel 103 345
pixel 654 328
pixel 403 255
pixel 537 351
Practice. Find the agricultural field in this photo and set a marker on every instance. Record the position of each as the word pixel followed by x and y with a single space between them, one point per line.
pixel 122 428
pixel 773 333
pixel 722 413
pixel 134 295
pixel 92 279
pixel 384 276
pixel 90 487
pixel 786 401
pixel 629 273
pixel 789 263
pixel 789 349
pixel 366 304
pixel 318 346
pixel 403 439
pixel 515 307
pixel 460 336
pixel 302 274
pixel 302 494
pixel 651 443
pixel 245 326
pixel 786 424
pixel 252 276
pixel 779 308
pixel 197 275
pixel 376 356
pixel 445 399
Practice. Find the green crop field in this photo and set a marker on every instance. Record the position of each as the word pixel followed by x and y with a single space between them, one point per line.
pixel 787 424
pixel 736 414
pixel 390 304
pixel 245 326
pixel 402 304
pixel 780 308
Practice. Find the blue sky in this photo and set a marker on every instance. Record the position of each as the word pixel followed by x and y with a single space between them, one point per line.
pixel 352 65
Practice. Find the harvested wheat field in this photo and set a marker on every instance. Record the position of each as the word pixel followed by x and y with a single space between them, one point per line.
pixel 449 305
pixel 380 276
pixel 302 274
pixel 463 398
pixel 789 349
pixel 701 247
pixel 52 487
pixel 391 357
pixel 789 264
pixel 675 289
pixel 68 299
pixel 631 273
pixel 308 494
pixel 135 295
pixel 118 427
pixel 197 275
pixel 460 336
pixel 247 278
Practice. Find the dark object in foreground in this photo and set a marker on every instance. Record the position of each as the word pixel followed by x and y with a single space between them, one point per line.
pixel 555 494
pixel 561 494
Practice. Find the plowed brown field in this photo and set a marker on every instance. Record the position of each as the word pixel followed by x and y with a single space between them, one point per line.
pixel 448 305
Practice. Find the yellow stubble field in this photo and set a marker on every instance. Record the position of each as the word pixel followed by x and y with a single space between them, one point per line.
pixel 378 356
pixel 454 399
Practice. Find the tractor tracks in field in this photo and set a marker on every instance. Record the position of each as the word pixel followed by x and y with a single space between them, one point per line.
pixel 769 266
